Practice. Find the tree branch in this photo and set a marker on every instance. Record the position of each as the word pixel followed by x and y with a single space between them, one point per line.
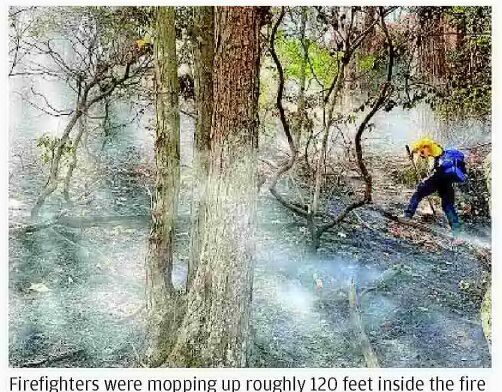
pixel 288 164
pixel 359 152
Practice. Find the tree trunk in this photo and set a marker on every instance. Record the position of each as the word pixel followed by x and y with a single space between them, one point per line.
pixel 215 329
pixel 320 166
pixel 53 180
pixel 203 39
pixel 74 158
pixel 301 110
pixel 83 104
pixel 159 262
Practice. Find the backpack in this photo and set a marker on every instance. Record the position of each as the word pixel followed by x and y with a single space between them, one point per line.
pixel 452 164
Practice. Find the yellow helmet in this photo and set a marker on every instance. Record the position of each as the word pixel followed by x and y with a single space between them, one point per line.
pixel 434 148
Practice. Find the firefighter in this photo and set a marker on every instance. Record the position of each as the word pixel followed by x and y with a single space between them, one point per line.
pixel 448 168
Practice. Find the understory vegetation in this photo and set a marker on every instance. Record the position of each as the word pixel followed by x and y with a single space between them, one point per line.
pixel 224 186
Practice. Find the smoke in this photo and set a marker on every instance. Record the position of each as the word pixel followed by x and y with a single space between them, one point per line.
pixel 95 276
pixel 476 240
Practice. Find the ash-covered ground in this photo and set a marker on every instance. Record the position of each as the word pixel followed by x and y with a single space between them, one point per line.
pixel 76 288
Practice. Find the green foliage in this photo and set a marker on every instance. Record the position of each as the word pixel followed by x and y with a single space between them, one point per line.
pixel 322 62
pixel 468 83
pixel 48 145
pixel 474 194
pixel 407 174
pixel 456 83
pixel 365 62
pixel 371 68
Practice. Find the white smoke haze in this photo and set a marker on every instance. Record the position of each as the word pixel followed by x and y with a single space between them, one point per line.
pixel 99 313
pixel 80 290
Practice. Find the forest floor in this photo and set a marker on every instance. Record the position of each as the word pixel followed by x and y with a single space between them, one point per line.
pixel 76 289
pixel 419 297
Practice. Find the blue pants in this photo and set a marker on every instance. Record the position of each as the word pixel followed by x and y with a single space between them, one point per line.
pixel 444 187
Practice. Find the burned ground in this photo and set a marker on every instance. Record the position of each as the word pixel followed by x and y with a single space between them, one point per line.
pixel 76 293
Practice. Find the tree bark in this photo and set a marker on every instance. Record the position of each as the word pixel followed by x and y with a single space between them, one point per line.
pixel 215 330
pixel 203 38
pixel 159 262
pixel 74 158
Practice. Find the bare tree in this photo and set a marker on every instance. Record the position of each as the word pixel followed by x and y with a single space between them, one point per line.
pixel 93 51
pixel 348 39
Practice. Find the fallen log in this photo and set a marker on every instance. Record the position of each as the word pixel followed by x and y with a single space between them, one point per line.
pixel 78 222
pixel 357 323
pixel 91 221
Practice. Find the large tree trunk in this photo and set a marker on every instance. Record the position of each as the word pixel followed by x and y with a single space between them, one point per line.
pixel 203 38
pixel 215 329
pixel 160 292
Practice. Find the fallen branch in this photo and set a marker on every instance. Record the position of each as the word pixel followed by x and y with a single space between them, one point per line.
pixel 479 250
pixel 361 337
pixel 78 222
pixel 383 279
pixel 406 222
